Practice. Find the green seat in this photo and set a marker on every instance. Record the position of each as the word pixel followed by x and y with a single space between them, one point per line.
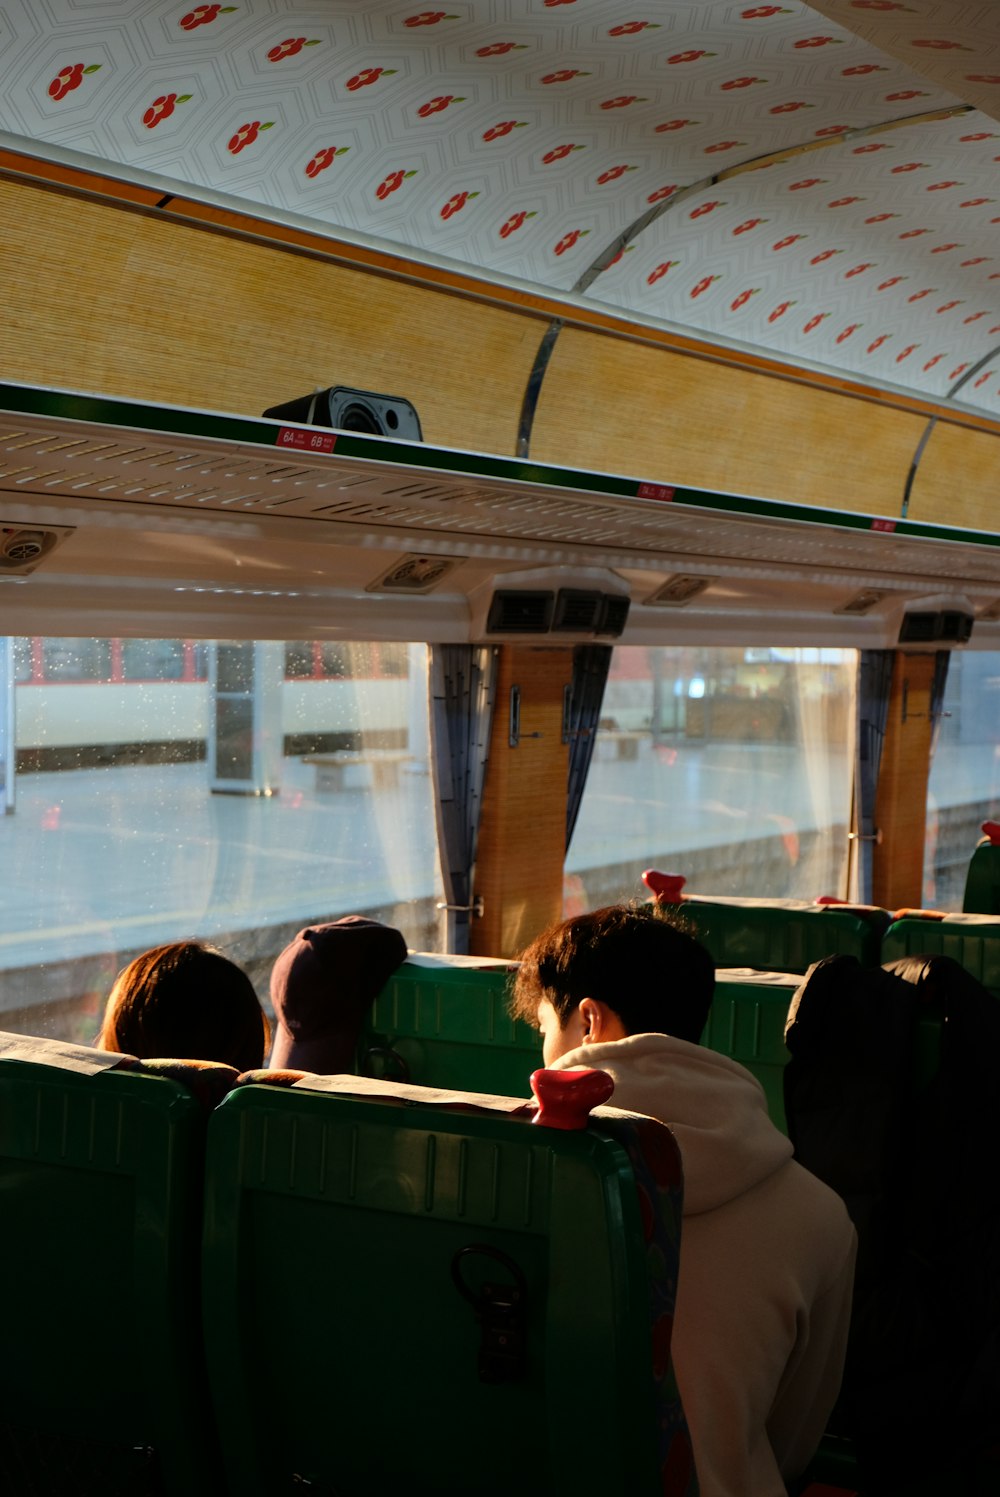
pixel 443 1021
pixel 982 882
pixel 783 935
pixel 344 1353
pixel 102 1381
pixel 971 940
pixel 747 1023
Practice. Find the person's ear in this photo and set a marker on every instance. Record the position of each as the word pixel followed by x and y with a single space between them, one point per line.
pixel 591 1020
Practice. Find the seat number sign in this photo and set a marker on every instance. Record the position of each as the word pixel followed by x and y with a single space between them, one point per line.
pixel 309 441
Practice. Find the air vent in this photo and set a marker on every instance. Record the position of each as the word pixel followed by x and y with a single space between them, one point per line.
pixel 614 616
pixel 957 627
pixel 23 547
pixel 521 613
pixel 679 590
pixel 919 628
pixel 414 574
pixel 577 612
pixel 862 602
pixel 948 627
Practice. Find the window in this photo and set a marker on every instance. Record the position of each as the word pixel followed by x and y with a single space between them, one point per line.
pixel 964 786
pixel 120 842
pixel 335 660
pixel 152 659
pixel 729 766
pixel 299 663
pixel 22 659
pixel 393 659
pixel 76 659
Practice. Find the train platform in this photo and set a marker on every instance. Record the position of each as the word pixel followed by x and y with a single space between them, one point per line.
pixel 117 859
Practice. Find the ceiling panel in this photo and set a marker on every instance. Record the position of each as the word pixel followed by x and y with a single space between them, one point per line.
pixel 955 44
pixel 582 146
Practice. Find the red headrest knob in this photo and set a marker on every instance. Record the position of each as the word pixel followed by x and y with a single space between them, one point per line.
pixel 565 1098
pixel 665 887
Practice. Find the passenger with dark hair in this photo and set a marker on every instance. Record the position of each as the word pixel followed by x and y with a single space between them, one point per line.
pixel 767 1250
pixel 187 1001
pixel 588 958
pixel 323 984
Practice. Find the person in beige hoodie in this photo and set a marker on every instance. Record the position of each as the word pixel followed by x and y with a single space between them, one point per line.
pixel 767 1250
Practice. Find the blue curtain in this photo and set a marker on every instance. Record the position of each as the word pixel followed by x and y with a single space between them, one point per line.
pixel 937 695
pixel 590 673
pixel 874 682
pixel 462 692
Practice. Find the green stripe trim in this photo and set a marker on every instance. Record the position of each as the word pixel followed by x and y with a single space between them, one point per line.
pixel 472 466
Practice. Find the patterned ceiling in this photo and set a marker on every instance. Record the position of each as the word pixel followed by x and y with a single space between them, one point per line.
pixel 584 146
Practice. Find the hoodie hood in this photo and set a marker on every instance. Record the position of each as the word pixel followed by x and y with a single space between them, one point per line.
pixel 715 1108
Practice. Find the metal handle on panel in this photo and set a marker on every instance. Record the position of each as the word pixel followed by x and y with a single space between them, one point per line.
pixel 514 734
pixel 501 1310
pixel 476 908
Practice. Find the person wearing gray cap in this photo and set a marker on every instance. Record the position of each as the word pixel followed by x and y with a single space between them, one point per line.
pixel 322 985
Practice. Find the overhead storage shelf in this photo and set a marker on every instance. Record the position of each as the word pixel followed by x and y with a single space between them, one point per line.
pixel 170 519
pixel 82 448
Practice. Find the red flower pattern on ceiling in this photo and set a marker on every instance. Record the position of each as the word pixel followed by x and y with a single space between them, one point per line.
pixel 625 117
pixel 323 159
pixel 246 135
pixel 69 78
pixel 203 15
pixel 429 18
pixel 162 108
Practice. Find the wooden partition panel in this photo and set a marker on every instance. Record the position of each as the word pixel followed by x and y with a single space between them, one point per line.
pixel 626 408
pixel 110 300
pixel 901 803
pixel 522 834
pixel 958 479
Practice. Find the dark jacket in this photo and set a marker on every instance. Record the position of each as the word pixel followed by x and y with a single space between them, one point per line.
pixel 891 1098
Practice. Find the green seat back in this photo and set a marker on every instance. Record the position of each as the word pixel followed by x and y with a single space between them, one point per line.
pixel 982 882
pixel 341 1352
pixel 747 1022
pixel 446 1020
pixel 102 1382
pixel 971 940
pixel 783 935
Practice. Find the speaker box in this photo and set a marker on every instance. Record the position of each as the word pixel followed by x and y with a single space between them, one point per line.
pixel 949 626
pixel 352 410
